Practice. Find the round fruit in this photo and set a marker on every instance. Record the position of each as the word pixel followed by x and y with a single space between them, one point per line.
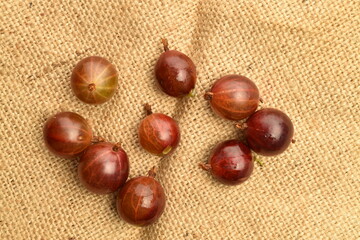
pixel 67 134
pixel 175 72
pixel 159 134
pixel 103 168
pixel 94 80
pixel 269 131
pixel 141 201
pixel 230 162
pixel 233 97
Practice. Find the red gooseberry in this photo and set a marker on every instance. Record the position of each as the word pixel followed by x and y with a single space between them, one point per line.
pixel 230 162
pixel 158 133
pixel 94 80
pixel 67 134
pixel 141 201
pixel 233 97
pixel 175 72
pixel 268 131
pixel 103 167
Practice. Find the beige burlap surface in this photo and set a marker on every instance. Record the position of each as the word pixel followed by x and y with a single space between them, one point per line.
pixel 303 55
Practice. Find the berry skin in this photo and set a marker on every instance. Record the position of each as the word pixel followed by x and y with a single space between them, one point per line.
pixel 94 80
pixel 230 162
pixel 233 97
pixel 269 131
pixel 103 168
pixel 158 133
pixel 67 134
pixel 141 201
pixel 175 72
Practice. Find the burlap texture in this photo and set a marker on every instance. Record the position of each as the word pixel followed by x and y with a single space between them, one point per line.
pixel 303 55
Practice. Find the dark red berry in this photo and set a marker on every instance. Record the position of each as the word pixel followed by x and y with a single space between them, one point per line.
pixel 230 162
pixel 94 80
pixel 67 134
pixel 158 133
pixel 269 131
pixel 141 201
pixel 175 73
pixel 233 97
pixel 103 168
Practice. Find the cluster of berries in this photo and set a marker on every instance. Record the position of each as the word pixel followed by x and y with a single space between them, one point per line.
pixel 104 166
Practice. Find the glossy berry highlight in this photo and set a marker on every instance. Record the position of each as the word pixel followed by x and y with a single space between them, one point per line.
pixel 103 168
pixel 230 162
pixel 158 133
pixel 175 72
pixel 141 201
pixel 233 97
pixel 94 80
pixel 268 131
pixel 67 134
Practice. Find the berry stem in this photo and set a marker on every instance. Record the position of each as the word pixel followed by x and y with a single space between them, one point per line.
pixel 258 161
pixel 205 166
pixel 116 147
pixel 261 100
pixel 167 150
pixel 165 43
pixel 152 172
pixel 97 139
pixel 148 109
pixel 192 93
pixel 241 126
pixel 208 95
pixel 91 87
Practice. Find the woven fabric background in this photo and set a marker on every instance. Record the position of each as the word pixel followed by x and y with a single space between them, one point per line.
pixel 302 54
